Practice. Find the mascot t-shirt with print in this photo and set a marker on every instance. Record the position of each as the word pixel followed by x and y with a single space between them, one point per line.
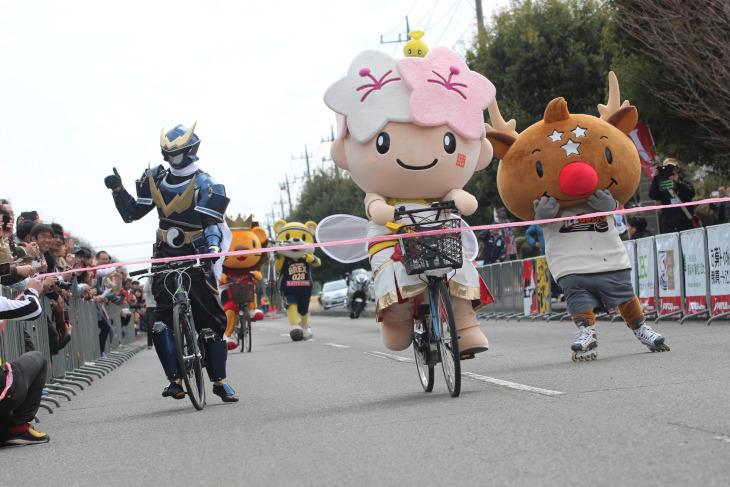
pixel 295 274
pixel 583 245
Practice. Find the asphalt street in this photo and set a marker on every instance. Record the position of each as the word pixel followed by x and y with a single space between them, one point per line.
pixel 343 410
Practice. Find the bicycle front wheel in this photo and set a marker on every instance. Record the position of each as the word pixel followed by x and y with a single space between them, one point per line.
pixel 244 330
pixel 189 356
pixel 448 339
pixel 421 347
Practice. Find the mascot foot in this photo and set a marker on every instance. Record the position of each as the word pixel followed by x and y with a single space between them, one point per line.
pixel 231 344
pixel 255 314
pixel 307 332
pixel 297 334
pixel 471 341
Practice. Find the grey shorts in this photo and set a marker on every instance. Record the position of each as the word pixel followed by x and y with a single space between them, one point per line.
pixel 601 290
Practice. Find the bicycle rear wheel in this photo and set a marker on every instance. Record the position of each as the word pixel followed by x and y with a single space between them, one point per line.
pixel 448 339
pixel 189 356
pixel 420 350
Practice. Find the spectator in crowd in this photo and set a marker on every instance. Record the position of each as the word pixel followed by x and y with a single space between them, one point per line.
pixel 670 187
pixel 22 231
pixel 535 237
pixel 103 294
pixel 720 211
pixel 22 380
pixel 42 235
pixel 7 241
pixel 493 249
pixel 637 227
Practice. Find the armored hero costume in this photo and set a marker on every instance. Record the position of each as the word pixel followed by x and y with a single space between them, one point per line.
pixel 191 206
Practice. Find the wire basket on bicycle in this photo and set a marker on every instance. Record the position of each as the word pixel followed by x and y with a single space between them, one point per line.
pixel 243 291
pixel 427 252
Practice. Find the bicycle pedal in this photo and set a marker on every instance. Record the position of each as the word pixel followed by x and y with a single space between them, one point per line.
pixel 207 334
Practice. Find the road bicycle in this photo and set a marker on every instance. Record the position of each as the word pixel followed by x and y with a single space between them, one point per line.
pixel 433 257
pixel 188 343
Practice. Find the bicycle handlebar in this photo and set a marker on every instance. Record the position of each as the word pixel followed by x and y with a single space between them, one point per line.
pixel 167 266
pixel 448 205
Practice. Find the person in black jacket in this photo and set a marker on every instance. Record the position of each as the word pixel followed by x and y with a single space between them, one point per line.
pixel 494 246
pixel 637 227
pixel 22 380
pixel 669 187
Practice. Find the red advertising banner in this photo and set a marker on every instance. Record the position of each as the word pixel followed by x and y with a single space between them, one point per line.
pixel 644 142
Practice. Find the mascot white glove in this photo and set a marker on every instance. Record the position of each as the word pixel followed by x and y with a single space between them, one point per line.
pixel 602 200
pixel 546 208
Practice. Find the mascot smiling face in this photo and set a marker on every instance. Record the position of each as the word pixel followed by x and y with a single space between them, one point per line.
pixel 294 233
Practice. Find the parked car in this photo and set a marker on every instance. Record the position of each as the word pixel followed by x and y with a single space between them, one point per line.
pixel 333 294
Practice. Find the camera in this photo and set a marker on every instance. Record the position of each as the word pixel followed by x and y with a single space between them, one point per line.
pixel 66 286
pixel 6 220
pixel 665 172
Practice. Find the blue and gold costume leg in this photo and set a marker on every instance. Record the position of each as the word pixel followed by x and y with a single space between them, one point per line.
pixel 164 340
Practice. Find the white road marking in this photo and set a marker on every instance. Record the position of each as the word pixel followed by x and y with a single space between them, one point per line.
pixel 510 385
pixel 336 345
pixel 397 358
pixel 482 378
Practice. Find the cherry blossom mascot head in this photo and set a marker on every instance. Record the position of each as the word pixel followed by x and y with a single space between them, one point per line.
pixel 412 131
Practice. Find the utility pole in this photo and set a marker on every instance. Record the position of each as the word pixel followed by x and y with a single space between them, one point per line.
pixel 326 159
pixel 305 156
pixel 285 186
pixel 480 23
pixel 281 202
pixel 408 29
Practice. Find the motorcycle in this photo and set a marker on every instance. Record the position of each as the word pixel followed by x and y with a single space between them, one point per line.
pixel 358 291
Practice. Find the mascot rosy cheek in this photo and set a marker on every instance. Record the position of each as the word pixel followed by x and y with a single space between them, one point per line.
pixel 411 132
pixel 295 274
pixel 569 165
pixel 241 272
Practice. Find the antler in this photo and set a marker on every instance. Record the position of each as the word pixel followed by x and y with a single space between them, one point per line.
pixel 499 123
pixel 614 98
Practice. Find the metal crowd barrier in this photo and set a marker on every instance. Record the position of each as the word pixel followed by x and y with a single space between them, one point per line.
pixel 79 363
pixel 680 276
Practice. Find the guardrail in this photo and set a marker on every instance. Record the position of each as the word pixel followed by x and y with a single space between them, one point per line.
pixel 682 276
pixel 79 363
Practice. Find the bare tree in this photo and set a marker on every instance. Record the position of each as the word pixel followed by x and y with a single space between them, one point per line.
pixel 691 39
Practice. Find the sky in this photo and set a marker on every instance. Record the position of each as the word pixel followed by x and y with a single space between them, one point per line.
pixel 86 86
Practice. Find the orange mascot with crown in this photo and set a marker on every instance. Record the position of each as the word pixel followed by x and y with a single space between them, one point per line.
pixel 241 272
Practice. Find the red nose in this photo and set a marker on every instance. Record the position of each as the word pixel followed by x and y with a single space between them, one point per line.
pixel 578 179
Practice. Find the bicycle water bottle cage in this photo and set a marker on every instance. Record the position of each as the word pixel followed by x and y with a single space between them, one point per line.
pixel 208 335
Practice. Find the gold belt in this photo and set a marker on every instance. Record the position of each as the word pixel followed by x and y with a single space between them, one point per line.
pixel 189 236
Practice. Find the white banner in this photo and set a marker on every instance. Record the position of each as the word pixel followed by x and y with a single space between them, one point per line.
pixel 718 252
pixel 645 269
pixel 669 273
pixel 630 246
pixel 694 252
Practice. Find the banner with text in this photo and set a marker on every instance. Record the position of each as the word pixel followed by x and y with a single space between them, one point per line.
pixel 645 271
pixel 669 273
pixel 718 252
pixel 694 256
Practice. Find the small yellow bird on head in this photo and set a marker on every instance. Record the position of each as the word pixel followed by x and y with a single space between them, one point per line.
pixel 415 47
